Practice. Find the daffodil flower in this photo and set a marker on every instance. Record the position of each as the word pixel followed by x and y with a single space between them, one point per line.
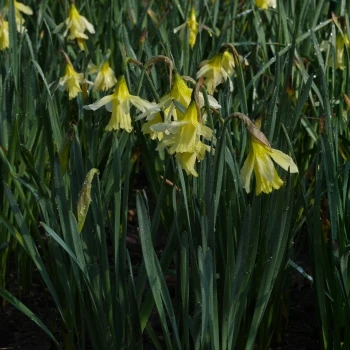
pixel 76 25
pixel 71 81
pixel 147 128
pixel 265 4
pixel 180 92
pixel 185 134
pixel 185 140
pixel 259 159
pixel 4 34
pixel 187 160
pixel 105 78
pixel 19 7
pixel 119 103
pixel 340 43
pixel 192 27
pixel 217 70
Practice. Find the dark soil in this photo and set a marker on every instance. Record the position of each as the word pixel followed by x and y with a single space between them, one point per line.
pixel 19 332
pixel 302 332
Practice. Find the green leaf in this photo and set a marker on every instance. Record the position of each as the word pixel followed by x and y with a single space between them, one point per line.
pixel 22 308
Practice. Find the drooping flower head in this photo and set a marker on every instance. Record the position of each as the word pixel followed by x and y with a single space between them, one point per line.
pixel 155 126
pixel 192 27
pixel 19 8
pixel 185 139
pixel 84 199
pixel 217 70
pixel 187 160
pixel 105 78
pixel 71 81
pixel 4 34
pixel 119 103
pixel 180 92
pixel 340 43
pixel 265 4
pixel 147 128
pixel 76 25
pixel 259 160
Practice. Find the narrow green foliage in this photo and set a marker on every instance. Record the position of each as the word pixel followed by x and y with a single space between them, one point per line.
pixel 188 236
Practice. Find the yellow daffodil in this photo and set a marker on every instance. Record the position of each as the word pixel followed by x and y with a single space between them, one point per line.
pixel 185 139
pixel 260 160
pixel 4 34
pixel 192 27
pixel 265 4
pixel 217 70
pixel 119 103
pixel 185 133
pixel 147 127
pixel 71 81
pixel 105 78
pixel 76 25
pixel 228 63
pixel 187 160
pixel 180 92
pixel 340 43
pixel 20 8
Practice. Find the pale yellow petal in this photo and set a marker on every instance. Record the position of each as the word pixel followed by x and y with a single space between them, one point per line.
pixel 187 162
pixel 247 170
pixel 263 162
pixel 87 25
pixel 283 160
pixel 23 8
pixel 98 104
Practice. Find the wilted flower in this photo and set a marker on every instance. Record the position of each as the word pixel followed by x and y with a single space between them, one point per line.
pixel 217 70
pixel 84 199
pixel 340 43
pixel 259 160
pixel 105 78
pixel 192 27
pixel 4 34
pixel 71 81
pixel 265 4
pixel 76 25
pixel 119 103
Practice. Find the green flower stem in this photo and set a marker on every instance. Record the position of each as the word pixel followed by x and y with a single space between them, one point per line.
pixel 153 89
